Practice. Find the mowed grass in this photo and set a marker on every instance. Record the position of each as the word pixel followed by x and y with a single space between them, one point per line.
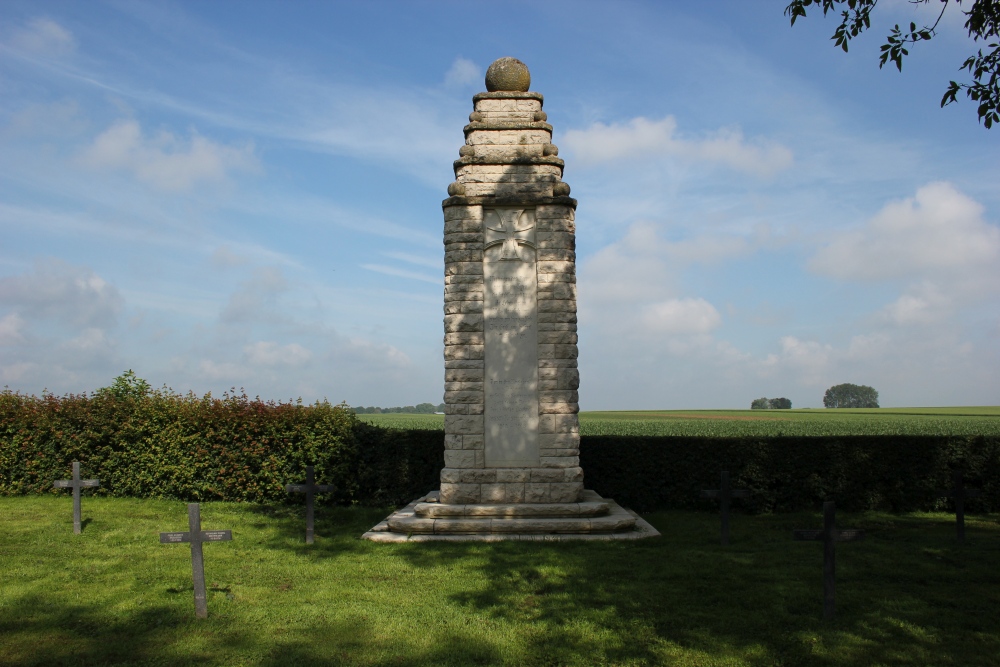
pixel 908 595
pixel 737 423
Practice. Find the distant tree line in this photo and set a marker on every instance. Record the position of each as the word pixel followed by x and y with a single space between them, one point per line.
pixel 849 395
pixel 419 409
pixel 770 404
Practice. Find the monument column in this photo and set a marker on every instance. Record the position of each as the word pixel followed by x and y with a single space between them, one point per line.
pixel 511 378
pixel 512 437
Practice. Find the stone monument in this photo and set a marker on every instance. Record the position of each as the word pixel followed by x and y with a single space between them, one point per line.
pixel 512 458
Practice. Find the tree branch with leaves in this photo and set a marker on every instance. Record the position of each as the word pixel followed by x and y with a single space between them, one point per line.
pixel 982 24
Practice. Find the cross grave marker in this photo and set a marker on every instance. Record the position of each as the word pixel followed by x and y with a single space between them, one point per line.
pixel 310 489
pixel 959 493
pixel 196 536
pixel 76 484
pixel 724 494
pixel 829 536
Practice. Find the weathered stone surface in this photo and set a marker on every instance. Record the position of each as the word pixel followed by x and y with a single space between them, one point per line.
pixel 566 492
pixel 508 74
pixel 560 461
pixel 557 337
pixel 513 475
pixel 464 338
pixel 557 290
pixel 514 492
pixel 463 375
pixel 463 352
pixel 589 517
pixel 462 424
pixel 548 351
pixel 463 363
pixel 493 493
pixel 459 494
pixel 455 323
pixel 558 408
pixel 459 458
pixel 463 307
pixel 537 493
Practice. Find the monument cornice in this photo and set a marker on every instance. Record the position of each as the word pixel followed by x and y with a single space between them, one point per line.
pixel 524 200
pixel 480 125
pixel 488 160
pixel 508 95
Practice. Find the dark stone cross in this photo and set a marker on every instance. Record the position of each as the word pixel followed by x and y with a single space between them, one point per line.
pixel 310 489
pixel 959 493
pixel 76 484
pixel 724 494
pixel 196 536
pixel 829 535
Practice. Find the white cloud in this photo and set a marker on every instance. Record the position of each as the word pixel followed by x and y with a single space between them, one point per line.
pixel 90 339
pixel 924 303
pixel 809 360
pixel 940 231
pixel 256 297
pixel 463 72
pixel 56 119
pixel 644 137
pixel 224 258
pixel 270 353
pixel 680 316
pixel 165 161
pixel 44 37
pixel 642 266
pixel 61 291
pixel 215 371
pixel 11 329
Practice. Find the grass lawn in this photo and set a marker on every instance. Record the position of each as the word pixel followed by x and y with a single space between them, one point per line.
pixel 908 595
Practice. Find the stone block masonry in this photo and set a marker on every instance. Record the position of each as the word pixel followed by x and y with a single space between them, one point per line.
pixel 512 436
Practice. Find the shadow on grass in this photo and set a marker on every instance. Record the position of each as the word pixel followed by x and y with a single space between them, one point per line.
pixel 336 529
pixel 757 602
pixel 83 634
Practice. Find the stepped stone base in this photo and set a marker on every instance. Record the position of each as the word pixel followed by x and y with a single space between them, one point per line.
pixel 593 518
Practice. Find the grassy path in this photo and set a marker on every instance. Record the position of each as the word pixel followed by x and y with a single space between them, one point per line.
pixel 909 595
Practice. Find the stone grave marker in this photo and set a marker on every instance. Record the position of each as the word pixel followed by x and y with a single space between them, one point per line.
pixel 724 494
pixel 196 536
pixel 829 536
pixel 512 436
pixel 310 488
pixel 959 493
pixel 76 484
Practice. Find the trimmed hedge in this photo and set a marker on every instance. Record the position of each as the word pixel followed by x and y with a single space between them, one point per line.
pixel 162 444
pixel 159 444
pixel 895 473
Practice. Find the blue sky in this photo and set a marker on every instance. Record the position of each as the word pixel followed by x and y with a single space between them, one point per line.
pixel 248 194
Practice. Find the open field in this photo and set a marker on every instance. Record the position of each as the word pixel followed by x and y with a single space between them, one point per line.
pixel 908 595
pixel 888 421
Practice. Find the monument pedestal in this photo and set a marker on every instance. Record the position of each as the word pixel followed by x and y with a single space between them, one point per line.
pixel 592 518
pixel 512 436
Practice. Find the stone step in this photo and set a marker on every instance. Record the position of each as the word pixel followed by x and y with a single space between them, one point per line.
pixel 513 511
pixel 615 521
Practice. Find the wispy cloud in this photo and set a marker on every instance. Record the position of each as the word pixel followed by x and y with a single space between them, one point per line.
pixel 463 72
pixel 642 137
pixel 166 161
pixel 401 273
pixel 44 37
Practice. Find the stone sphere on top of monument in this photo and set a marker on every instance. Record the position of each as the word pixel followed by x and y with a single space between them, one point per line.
pixel 508 75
